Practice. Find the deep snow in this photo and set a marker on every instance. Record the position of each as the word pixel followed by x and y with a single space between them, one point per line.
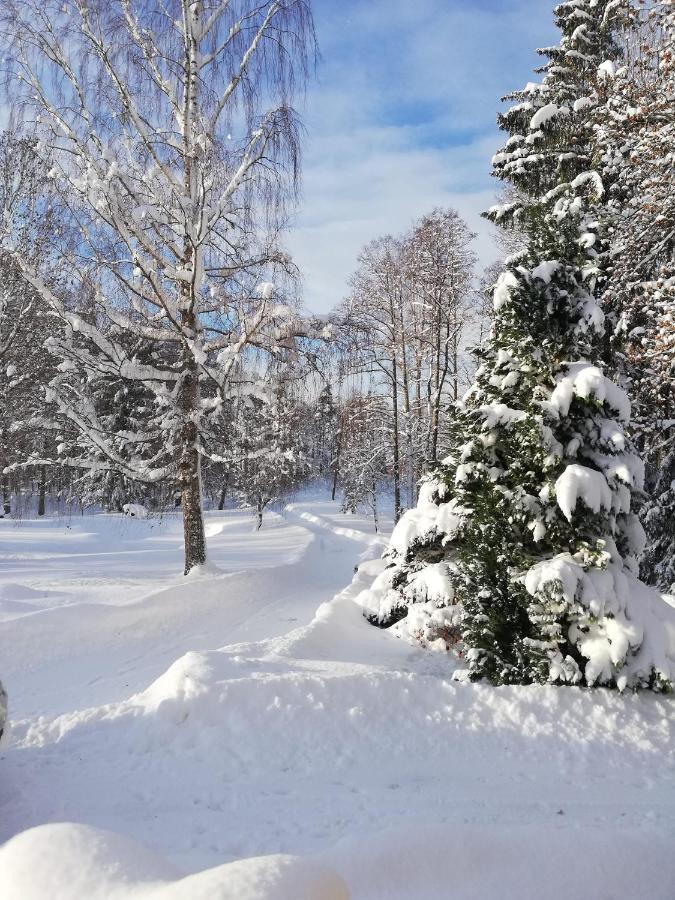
pixel 222 717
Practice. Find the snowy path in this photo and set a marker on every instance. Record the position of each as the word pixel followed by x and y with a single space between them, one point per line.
pixel 219 718
pixel 96 612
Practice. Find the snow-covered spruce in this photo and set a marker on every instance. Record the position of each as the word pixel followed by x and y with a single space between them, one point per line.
pixel 636 132
pixel 523 548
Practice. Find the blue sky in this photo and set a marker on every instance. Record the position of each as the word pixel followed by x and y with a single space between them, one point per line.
pixel 401 118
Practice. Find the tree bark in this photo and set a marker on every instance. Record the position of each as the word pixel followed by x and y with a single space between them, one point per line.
pixel 376 520
pixel 6 502
pixel 42 489
pixel 336 470
pixel 395 442
pixel 189 479
pixel 189 475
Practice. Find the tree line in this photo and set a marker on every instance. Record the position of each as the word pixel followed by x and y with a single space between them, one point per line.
pixel 152 346
pixel 527 541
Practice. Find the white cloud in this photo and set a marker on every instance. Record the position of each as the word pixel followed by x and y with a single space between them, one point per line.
pixel 401 120
pixel 376 182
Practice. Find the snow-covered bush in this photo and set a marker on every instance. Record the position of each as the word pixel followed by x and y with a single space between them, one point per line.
pixel 72 862
pixel 526 532
pixel 135 511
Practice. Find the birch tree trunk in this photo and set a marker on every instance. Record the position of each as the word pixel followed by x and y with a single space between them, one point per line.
pixel 189 394
pixel 189 480
pixel 42 489
pixel 395 446
pixel 336 463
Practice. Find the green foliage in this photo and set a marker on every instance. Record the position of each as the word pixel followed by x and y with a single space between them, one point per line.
pixel 540 464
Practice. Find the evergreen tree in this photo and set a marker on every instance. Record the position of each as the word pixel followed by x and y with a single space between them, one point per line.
pixel 273 454
pixel 637 136
pixel 528 523
pixel 325 416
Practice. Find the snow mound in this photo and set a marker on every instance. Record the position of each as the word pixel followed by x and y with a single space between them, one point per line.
pixel 466 862
pixel 74 862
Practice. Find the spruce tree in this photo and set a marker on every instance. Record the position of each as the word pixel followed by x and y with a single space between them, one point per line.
pixel 637 135
pixel 528 522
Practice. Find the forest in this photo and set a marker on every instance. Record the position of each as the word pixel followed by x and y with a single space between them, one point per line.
pixel 458 484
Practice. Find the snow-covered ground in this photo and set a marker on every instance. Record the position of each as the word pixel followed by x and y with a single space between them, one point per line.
pixel 222 717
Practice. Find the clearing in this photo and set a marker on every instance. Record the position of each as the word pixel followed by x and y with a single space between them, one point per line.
pixel 221 717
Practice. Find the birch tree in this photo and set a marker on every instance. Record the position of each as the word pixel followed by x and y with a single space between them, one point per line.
pixel 172 144
pixel 375 314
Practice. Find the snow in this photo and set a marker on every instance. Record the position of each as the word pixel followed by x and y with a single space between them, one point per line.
pixel 135 510
pixel 428 517
pixel 500 414
pixel 544 115
pixel 77 862
pixel 581 483
pixel 583 103
pixel 190 727
pixel 502 291
pixel 616 613
pixel 546 270
pixel 593 178
pixel 582 379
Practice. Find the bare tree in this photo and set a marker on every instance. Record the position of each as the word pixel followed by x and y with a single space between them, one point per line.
pixel 364 453
pixel 272 449
pixel 172 145
pixel 374 314
pixel 439 265
pixel 404 326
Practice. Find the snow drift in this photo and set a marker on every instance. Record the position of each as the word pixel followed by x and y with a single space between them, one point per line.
pixel 331 742
pixel 73 862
